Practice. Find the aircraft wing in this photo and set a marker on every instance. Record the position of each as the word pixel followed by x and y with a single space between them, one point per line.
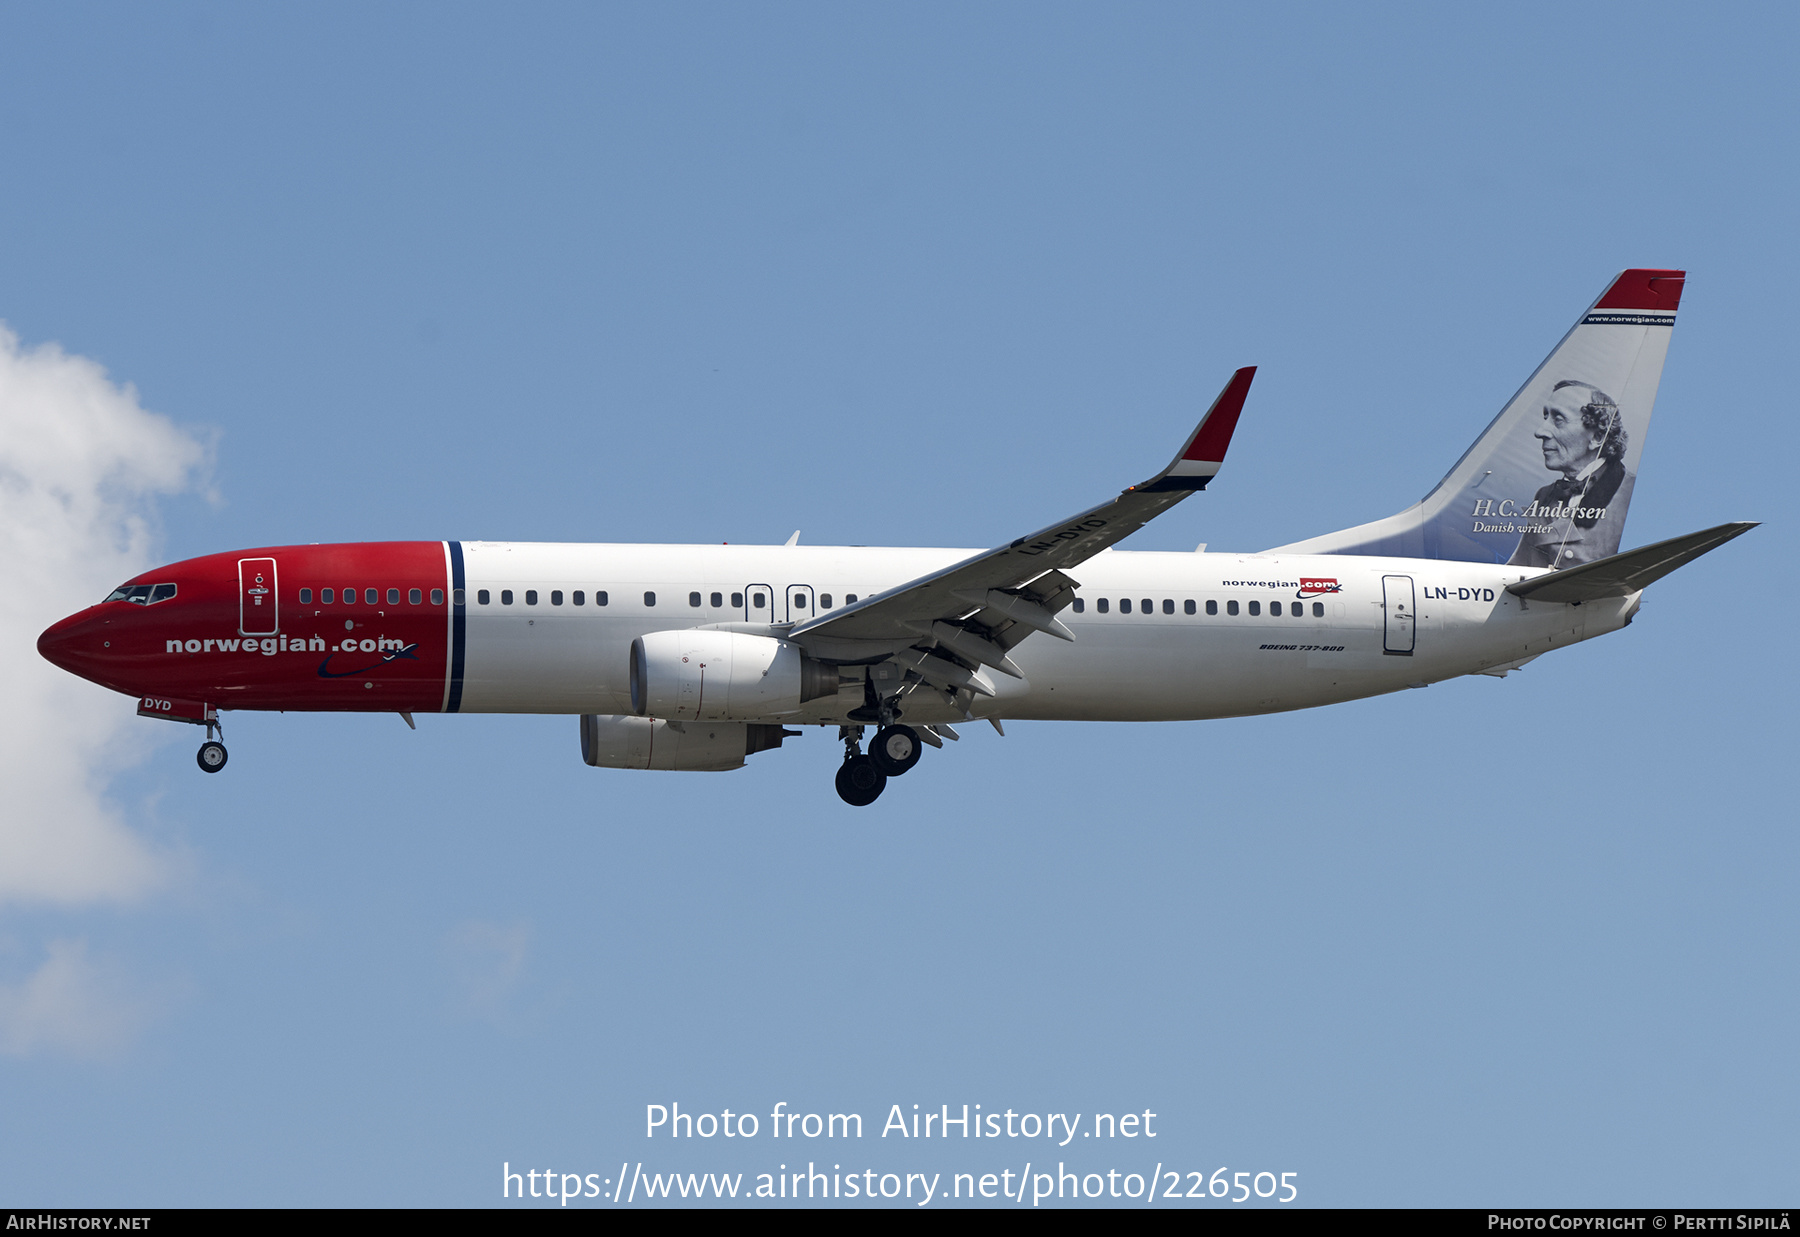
pixel 970 614
pixel 1628 572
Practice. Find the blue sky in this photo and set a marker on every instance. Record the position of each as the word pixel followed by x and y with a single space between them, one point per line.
pixel 914 275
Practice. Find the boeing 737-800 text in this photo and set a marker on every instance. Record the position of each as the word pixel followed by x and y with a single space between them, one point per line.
pixel 696 657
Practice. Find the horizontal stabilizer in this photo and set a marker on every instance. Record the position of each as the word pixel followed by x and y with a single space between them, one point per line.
pixel 1626 573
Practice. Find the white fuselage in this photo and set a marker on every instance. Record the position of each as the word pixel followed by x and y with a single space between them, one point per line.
pixel 1389 623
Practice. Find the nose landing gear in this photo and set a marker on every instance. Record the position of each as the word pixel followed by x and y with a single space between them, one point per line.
pixel 211 757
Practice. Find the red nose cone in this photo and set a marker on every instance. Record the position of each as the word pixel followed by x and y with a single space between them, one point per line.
pixel 65 644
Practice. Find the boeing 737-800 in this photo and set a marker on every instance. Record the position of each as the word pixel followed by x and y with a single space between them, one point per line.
pixel 697 657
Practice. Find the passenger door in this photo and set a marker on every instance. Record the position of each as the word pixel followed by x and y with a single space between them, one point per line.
pixel 1398 618
pixel 258 604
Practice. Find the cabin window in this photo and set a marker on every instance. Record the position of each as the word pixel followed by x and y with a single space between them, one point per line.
pixel 393 597
pixel 306 597
pixel 531 597
pixel 1297 610
pixel 349 596
pixel 414 597
pixel 1124 605
pixel 694 600
pixel 1168 606
pixel 600 597
pixel 373 596
pixel 556 597
pixel 482 596
pixel 824 601
pixel 1212 607
pixel 1101 605
pixel 717 599
pixel 757 600
pixel 506 597
pixel 1318 609
pixel 1231 608
pixel 1275 608
pixel 737 600
pixel 1080 605
pixel 325 595
pixel 1187 606
pixel 437 597
pixel 649 599
pixel 578 597
pixel 1255 608
pixel 849 599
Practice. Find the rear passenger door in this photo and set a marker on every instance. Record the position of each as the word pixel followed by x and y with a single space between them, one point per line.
pixel 1398 618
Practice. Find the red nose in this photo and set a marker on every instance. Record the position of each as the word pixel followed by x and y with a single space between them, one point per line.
pixel 74 643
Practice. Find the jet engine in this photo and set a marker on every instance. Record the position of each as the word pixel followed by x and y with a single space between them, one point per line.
pixel 613 741
pixel 700 675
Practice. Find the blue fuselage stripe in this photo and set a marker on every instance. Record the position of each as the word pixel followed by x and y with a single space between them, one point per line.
pixel 459 627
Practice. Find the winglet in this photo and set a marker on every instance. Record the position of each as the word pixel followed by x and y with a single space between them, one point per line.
pixel 1199 460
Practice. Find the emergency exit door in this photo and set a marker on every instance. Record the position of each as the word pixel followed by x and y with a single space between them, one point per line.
pixel 1398 618
pixel 257 605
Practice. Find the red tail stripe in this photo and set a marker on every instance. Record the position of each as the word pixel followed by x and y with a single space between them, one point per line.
pixel 1645 289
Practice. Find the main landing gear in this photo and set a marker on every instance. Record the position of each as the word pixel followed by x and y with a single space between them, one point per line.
pixel 862 778
pixel 211 756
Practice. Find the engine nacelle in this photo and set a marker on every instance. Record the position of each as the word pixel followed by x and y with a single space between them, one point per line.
pixel 699 675
pixel 616 741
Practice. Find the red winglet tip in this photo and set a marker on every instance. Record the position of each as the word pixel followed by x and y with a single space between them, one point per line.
pixel 1221 419
pixel 1644 289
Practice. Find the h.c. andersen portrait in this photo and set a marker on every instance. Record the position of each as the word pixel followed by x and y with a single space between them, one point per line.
pixel 1579 516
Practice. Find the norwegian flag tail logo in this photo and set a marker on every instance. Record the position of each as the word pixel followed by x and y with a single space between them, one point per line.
pixel 1318 586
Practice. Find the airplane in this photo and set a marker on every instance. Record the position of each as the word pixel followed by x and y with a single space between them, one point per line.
pixel 696 657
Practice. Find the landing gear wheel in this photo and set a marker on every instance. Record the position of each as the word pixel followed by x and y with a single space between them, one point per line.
pixel 859 782
pixel 212 756
pixel 895 749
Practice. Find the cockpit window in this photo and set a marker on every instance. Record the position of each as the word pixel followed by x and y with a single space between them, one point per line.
pixel 142 594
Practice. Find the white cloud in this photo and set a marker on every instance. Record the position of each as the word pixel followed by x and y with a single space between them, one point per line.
pixel 80 465
pixel 70 1006
pixel 487 961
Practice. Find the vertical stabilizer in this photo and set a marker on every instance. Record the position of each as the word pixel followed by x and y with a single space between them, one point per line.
pixel 1548 483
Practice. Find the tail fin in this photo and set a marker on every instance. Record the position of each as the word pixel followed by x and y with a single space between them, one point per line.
pixel 1548 483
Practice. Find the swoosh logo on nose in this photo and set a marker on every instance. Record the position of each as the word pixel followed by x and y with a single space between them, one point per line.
pixel 326 673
